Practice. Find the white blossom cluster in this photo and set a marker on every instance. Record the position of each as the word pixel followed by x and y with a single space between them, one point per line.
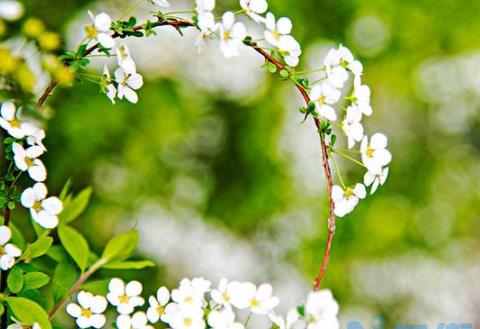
pixel 339 66
pixel 27 148
pixel 195 305
pixel 229 31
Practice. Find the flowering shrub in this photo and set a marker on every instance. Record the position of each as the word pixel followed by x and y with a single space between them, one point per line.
pixel 336 102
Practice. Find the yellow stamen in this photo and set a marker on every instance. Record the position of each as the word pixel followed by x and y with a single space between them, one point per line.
pixel 321 100
pixel 15 123
pixel 37 206
pixel 91 32
pixel 160 310
pixel 226 35
pixel 86 313
pixel 369 152
pixel 187 322
pixel 123 299
pixel 255 302
pixel 348 192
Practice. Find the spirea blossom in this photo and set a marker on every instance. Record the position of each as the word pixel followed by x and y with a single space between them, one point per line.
pixel 99 30
pixel 324 96
pixel 374 152
pixel 231 35
pixel 347 199
pixel 254 8
pixel 125 297
pixel 89 310
pixel 44 210
pixel 8 251
pixel 27 160
pixel 157 304
pixel 321 310
pixel 10 122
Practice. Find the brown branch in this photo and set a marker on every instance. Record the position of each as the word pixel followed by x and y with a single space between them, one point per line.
pixel 177 24
pixel 3 279
pixel 81 280
pixel 326 167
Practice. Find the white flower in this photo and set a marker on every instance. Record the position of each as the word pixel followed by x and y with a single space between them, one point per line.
pixel 107 86
pixel 89 310
pixel 125 60
pixel 361 99
pixel 125 298
pixel 127 84
pixel 292 321
pixel 191 292
pixel 205 6
pixel 161 3
pixel 322 310
pixel 136 321
pixel 18 325
pixel 43 210
pixel 374 153
pixel 11 10
pixel 206 21
pixel 254 8
pixel 231 35
pixel 157 305
pixel 377 177
pixel 346 200
pixel 99 30
pixel 259 301
pixel 223 319
pixel 10 123
pixel 34 135
pixel 8 251
pixel 225 292
pixel 352 126
pixel 323 96
pixel 26 160
pixel 336 63
pixel 184 317
pixel 277 30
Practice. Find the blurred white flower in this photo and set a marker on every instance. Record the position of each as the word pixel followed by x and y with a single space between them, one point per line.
pixel 125 297
pixel 223 319
pixel 127 84
pixel 34 135
pixel 191 292
pixel 277 31
pixel 231 35
pixel 259 301
pixel 254 8
pixel 44 210
pixel 375 178
pixel 99 30
pixel 89 310
pixel 125 60
pixel 26 160
pixel 336 64
pixel 157 305
pixel 292 320
pixel 324 95
pixel 184 317
pixel 9 122
pixel 346 200
pixel 136 321
pixel 225 291
pixel 11 10
pixel 108 87
pixel 8 251
pixel 361 98
pixel 374 153
pixel 352 126
pixel 322 310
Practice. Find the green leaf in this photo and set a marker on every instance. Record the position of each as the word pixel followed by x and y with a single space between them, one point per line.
pixel 28 312
pixel 58 254
pixel 15 280
pixel 17 237
pixel 38 248
pixel 132 265
pixel 97 287
pixel 75 244
pixel 35 280
pixel 271 67
pixel 65 189
pixel 64 277
pixel 76 206
pixel 284 74
pixel 120 247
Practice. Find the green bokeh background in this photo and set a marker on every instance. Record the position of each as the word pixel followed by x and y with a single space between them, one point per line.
pixel 429 206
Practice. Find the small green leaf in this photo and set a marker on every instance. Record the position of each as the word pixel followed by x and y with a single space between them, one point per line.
pixel 120 247
pixel 28 312
pixel 65 189
pixel 97 287
pixel 38 248
pixel 131 265
pixel 75 244
pixel 284 74
pixel 15 280
pixel 76 206
pixel 58 254
pixel 35 280
pixel 271 67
